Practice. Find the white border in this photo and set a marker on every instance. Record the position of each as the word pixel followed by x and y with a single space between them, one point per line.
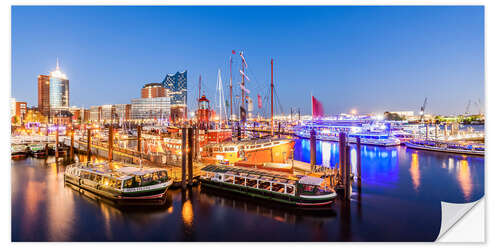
pixel 492 15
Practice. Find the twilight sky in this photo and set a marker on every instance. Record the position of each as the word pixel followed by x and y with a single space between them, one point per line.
pixel 373 59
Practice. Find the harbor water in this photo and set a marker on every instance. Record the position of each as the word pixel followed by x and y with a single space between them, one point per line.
pixel 399 199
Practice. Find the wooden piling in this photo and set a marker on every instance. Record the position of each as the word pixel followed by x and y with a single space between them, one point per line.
pixel 110 143
pixel 139 134
pixel 196 143
pixel 342 144
pixel 347 173
pixel 88 145
pixel 183 173
pixel 57 141
pixel 358 158
pixel 436 131
pixel 312 142
pixel 190 155
pixel 72 146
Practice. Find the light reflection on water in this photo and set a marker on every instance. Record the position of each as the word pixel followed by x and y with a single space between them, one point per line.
pixel 401 194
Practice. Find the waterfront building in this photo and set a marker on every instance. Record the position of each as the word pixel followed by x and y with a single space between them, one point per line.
pixel 153 90
pixel 95 114
pixel 21 108
pixel 107 113
pixel 43 94
pixel 86 116
pixel 176 84
pixel 77 114
pixel 122 111
pixel 150 108
pixel 12 106
pixel 63 117
pixel 58 91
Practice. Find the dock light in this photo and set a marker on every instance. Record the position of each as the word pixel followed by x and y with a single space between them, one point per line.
pixel 354 111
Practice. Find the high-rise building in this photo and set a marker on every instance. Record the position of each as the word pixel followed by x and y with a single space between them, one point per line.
pixel 43 94
pixel 176 84
pixel 59 91
pixel 152 90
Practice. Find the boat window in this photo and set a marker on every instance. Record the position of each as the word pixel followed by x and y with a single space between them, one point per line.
pixel 85 175
pixel 155 176
pixel 128 183
pixel 105 181
pixel 97 178
pixel 147 178
pixel 138 180
pixel 163 174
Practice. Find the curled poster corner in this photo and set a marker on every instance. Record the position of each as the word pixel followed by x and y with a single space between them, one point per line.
pixel 451 213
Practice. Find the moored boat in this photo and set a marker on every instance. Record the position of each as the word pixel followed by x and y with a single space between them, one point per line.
pixel 306 191
pixel 37 150
pixel 119 181
pixel 18 151
pixel 446 147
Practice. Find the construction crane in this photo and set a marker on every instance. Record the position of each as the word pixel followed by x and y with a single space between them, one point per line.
pixel 422 110
pixel 467 108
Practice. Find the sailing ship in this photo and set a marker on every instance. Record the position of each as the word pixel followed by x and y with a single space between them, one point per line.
pixel 248 152
pixel 118 181
pixel 306 191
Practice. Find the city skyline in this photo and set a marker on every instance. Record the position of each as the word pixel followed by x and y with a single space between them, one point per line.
pixel 374 59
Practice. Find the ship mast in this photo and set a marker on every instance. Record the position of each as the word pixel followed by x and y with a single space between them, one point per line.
pixel 231 85
pixel 272 100
pixel 242 80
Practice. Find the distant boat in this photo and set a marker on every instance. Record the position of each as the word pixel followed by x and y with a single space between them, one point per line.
pixel 18 151
pixel 446 147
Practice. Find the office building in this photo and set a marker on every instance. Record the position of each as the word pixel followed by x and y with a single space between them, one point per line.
pixel 150 108
pixel 43 94
pixel 58 91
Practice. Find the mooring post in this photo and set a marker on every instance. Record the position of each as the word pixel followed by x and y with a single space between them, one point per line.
pixel 239 132
pixel 110 143
pixel 183 159
pixel 139 134
pixel 358 158
pixel 57 141
pixel 72 146
pixel 347 173
pixel 446 131
pixel 196 143
pixel 279 130
pixel 190 155
pixel 342 156
pixel 312 142
pixel 88 145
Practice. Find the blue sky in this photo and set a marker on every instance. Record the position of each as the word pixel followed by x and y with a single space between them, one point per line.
pixel 369 58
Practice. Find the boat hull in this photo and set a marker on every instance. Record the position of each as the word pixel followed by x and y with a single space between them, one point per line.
pixel 444 150
pixel 290 200
pixel 279 153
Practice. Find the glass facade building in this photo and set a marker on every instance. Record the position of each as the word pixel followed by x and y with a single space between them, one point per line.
pixel 176 84
pixel 59 91
pixel 150 108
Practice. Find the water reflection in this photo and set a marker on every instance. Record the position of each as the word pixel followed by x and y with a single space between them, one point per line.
pixel 464 178
pixel 415 171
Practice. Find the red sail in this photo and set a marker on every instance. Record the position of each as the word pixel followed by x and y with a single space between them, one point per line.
pixel 317 108
pixel 259 100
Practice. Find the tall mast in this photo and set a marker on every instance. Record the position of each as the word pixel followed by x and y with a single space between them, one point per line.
pixel 272 100
pixel 231 85
pixel 199 91
pixel 242 80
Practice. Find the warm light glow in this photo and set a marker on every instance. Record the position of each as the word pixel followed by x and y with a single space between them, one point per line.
pixel 464 178
pixel 354 111
pixel 415 171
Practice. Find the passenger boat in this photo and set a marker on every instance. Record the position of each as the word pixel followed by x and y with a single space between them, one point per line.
pixel 369 134
pixel 18 151
pixel 119 181
pixel 306 191
pixel 37 150
pixel 254 151
pixel 446 147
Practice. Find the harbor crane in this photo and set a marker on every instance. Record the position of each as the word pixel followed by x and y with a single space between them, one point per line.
pixel 422 109
pixel 467 108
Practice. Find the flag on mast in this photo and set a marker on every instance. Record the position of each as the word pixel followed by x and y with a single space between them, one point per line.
pixel 242 73
pixel 259 101
pixel 317 108
pixel 243 58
